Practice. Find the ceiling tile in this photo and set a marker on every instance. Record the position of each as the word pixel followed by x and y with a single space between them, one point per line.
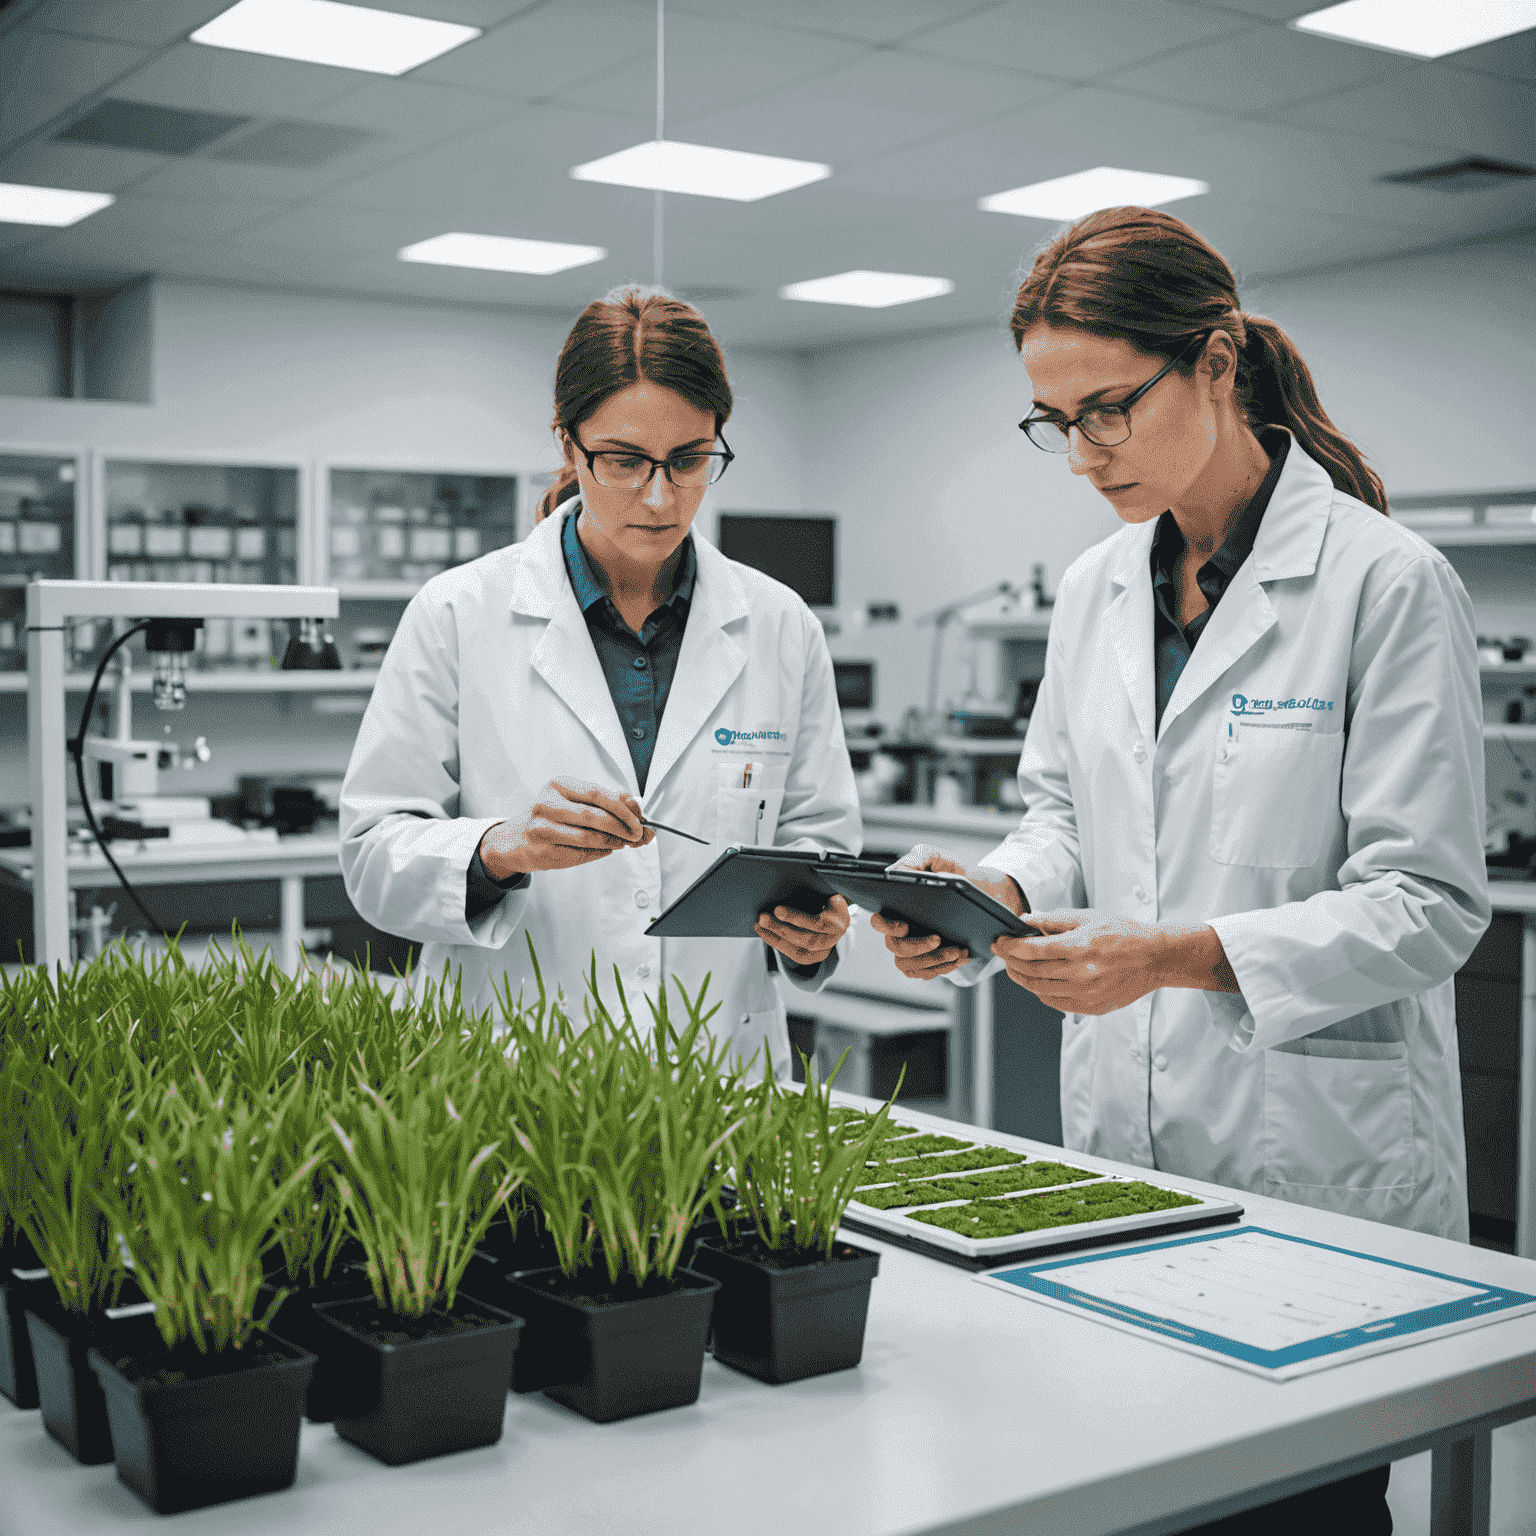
pixel 220 179
pixel 298 145
pixel 43 74
pixel 1437 106
pixel 1080 128
pixel 876 21
pixel 339 228
pixel 1074 42
pixel 536 56
pixel 472 13
pixel 1267 10
pixel 151 22
pixel 221 80
pixel 1514 57
pixel 869 107
pixel 712 65
pixel 413 111
pixel 1259 70
pixel 155 130
pixel 81 167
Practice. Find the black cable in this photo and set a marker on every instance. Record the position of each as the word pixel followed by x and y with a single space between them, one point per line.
pixel 76 746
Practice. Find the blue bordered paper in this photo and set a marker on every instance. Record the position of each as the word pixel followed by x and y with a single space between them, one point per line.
pixel 1264 1301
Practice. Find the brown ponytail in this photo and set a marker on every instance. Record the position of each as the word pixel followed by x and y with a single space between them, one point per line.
pixel 634 333
pixel 1143 276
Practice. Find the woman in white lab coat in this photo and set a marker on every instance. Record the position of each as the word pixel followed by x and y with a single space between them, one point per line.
pixel 1256 759
pixel 534 700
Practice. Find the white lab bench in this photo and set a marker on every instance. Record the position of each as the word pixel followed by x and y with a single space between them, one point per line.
pixel 289 861
pixel 970 833
pixel 974 1411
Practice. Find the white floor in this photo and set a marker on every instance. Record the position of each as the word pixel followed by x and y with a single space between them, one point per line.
pixel 1514 1486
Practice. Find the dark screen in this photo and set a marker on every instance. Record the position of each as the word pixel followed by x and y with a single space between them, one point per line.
pixel 855 684
pixel 799 551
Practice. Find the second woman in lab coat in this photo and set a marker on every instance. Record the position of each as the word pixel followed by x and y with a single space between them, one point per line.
pixel 533 700
pixel 1256 759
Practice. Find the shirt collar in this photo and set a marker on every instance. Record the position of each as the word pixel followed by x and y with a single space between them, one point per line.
pixel 584 581
pixel 1168 542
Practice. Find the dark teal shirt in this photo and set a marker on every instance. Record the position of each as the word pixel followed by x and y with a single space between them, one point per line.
pixel 1172 642
pixel 639 669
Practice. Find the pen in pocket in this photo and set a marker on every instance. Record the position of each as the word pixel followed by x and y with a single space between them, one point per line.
pixel 757 829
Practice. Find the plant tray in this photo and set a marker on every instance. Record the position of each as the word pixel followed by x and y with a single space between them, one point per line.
pixel 964 1205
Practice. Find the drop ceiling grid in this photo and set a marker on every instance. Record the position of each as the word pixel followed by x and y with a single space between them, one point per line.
pixel 921 106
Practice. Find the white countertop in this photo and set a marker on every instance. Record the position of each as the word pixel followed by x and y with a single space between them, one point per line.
pixel 973 1411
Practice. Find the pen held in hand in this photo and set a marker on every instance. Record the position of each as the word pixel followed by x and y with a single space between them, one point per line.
pixel 675 831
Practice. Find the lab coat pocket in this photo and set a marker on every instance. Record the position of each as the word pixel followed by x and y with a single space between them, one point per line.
pixel 748 815
pixel 1338 1116
pixel 1275 797
pixel 763 1035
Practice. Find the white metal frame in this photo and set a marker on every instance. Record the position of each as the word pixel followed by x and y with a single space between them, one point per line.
pixel 383 590
pixel 49 605
pixel 305 568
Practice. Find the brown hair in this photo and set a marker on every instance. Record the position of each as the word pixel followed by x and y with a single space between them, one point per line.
pixel 634 333
pixel 1145 277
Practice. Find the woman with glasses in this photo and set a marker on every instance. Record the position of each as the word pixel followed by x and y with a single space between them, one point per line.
pixel 1254 774
pixel 548 714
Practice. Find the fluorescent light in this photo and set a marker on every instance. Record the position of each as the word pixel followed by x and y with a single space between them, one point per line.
pixel 324 32
pixel 664 165
pixel 1427 29
pixel 48 205
pixel 868 290
pixel 501 253
pixel 1070 197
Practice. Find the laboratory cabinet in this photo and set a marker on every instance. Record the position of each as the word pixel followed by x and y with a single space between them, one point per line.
pixel 42 533
pixel 384 531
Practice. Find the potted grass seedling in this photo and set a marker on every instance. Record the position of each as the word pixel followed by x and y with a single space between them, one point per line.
pixel 209 1410
pixel 621 1138
pixel 73 1133
pixel 422 1367
pixel 793 1299
pixel 22 999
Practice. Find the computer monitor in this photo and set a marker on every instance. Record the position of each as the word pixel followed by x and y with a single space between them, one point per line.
pixel 799 549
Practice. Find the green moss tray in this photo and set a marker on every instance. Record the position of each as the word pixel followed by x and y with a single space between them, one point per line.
pixel 1001 1181
pixel 950 1162
pixel 1035 1213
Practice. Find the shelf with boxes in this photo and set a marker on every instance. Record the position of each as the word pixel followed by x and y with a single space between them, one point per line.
pixel 385 531
pixel 1468 518
pixel 42 532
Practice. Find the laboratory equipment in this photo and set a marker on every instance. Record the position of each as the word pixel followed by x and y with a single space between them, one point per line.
pixel 798 549
pixel 177 608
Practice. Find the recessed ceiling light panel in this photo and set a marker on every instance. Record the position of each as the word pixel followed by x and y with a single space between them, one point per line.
pixel 501 253
pixel 868 290
pixel 664 165
pixel 326 32
pixel 48 205
pixel 1070 197
pixel 1426 29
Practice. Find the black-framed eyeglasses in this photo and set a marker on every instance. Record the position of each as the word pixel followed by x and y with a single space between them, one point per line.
pixel 627 470
pixel 1105 426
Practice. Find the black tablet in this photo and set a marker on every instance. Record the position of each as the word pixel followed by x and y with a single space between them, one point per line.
pixel 724 902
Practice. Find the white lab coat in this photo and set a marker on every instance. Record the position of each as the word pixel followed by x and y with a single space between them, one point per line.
pixel 1315 792
pixel 492 687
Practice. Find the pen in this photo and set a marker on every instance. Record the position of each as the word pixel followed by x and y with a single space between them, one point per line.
pixel 757 829
pixel 676 831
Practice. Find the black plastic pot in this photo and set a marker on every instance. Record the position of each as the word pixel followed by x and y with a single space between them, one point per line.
pixel 298 1323
pixel 228 1429
pixel 607 1355
pixel 69 1391
pixel 413 1388
pixel 21 1279
pixel 781 1319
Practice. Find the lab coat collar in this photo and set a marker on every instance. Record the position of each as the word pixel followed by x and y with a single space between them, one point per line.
pixel 1291 536
pixel 565 657
pixel 711 660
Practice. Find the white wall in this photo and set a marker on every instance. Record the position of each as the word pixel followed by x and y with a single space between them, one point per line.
pixel 1428 362
pixel 302 376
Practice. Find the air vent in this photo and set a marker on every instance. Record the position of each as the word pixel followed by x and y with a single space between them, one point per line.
pixel 1473 174
pixel 149 129
pixel 294 145
pixel 709 295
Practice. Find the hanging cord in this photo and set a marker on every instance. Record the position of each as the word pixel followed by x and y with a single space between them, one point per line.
pixel 76 746
pixel 658 218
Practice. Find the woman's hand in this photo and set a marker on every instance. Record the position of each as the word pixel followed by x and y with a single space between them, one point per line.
pixel 802 938
pixel 1091 963
pixel 569 823
pixel 923 957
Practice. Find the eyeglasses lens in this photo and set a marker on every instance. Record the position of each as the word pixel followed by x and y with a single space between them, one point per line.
pixel 627 472
pixel 1047 435
pixel 1105 428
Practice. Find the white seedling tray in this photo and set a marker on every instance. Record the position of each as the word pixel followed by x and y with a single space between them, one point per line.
pixel 897 1224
